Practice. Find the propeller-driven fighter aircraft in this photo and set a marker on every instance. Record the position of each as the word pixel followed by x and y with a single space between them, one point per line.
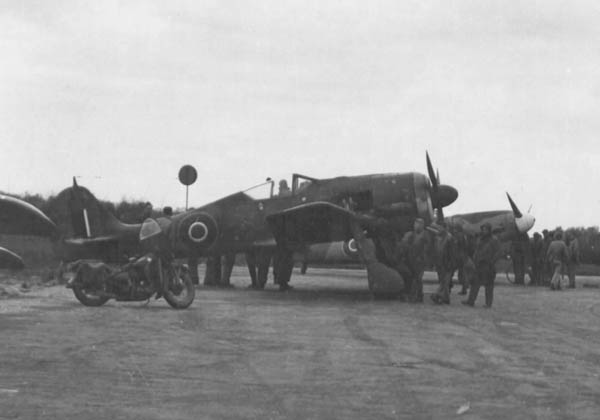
pixel 507 225
pixel 316 211
pixel 20 218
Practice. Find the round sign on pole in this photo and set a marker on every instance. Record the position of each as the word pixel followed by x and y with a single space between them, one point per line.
pixel 187 175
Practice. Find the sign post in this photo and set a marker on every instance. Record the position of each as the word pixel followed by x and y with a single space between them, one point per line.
pixel 187 176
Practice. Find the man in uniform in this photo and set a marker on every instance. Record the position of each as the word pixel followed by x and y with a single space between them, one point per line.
pixel 445 262
pixel 487 252
pixel 574 258
pixel 227 263
pixel 284 190
pixel 258 261
pixel 547 269
pixel 212 274
pixel 251 263
pixel 283 264
pixel 537 259
pixel 557 255
pixel 416 242
pixel 463 258
pixel 517 256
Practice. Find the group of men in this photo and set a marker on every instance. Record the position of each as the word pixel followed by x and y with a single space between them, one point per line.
pixel 219 268
pixel 448 251
pixel 550 255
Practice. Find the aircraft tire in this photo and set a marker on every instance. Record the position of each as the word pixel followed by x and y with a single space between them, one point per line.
pixel 88 299
pixel 180 291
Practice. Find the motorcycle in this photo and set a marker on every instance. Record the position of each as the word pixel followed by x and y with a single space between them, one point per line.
pixel 153 274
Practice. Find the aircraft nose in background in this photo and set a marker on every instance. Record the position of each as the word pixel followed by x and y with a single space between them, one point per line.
pixel 525 222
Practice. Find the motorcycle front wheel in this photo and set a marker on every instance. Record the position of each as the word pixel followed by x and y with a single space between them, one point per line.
pixel 180 289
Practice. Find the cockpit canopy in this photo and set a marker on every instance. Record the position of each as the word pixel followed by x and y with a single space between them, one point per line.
pixel 272 189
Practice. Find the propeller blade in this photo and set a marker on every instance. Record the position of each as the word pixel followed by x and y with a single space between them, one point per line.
pixel 514 207
pixel 431 172
pixel 437 174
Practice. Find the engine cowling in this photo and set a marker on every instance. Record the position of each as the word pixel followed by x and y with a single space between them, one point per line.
pixel 199 230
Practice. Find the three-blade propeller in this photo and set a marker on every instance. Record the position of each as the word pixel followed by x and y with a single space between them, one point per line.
pixel 441 195
pixel 524 221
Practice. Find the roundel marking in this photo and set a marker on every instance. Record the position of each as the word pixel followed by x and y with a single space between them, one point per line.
pixel 198 232
pixel 352 246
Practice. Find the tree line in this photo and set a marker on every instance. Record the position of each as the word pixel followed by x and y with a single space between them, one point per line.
pixel 132 211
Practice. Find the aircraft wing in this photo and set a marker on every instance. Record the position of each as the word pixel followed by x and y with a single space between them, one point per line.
pixel 315 222
pixel 20 218
pixel 9 259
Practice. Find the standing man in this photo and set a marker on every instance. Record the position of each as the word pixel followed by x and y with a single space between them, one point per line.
pixel 574 258
pixel 227 263
pixel 251 263
pixel 487 252
pixel 463 258
pixel 537 259
pixel 557 255
pixel 445 263
pixel 283 264
pixel 517 256
pixel 212 275
pixel 547 269
pixel 416 241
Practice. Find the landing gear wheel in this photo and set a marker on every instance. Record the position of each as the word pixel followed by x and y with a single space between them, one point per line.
pixel 180 290
pixel 88 299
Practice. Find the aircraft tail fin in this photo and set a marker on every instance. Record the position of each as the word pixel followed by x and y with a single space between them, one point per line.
pixel 89 218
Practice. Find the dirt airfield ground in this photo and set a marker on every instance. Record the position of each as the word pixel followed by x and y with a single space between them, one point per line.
pixel 324 350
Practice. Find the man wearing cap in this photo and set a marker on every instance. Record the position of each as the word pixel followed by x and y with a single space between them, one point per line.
pixel 487 252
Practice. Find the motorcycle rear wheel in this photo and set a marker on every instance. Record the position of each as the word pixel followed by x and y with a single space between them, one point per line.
pixel 88 299
pixel 180 290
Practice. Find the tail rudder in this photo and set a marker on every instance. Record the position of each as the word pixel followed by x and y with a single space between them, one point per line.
pixel 89 218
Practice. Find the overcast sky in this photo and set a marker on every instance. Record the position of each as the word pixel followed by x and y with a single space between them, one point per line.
pixel 504 95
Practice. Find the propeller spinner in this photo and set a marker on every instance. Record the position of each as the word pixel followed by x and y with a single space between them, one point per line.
pixel 441 195
pixel 525 221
